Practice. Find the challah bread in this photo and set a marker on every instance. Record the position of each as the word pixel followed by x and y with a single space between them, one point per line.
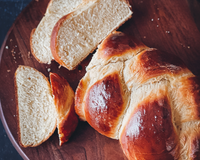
pixel 63 96
pixel 78 34
pixel 147 99
pixel 35 108
pixel 40 37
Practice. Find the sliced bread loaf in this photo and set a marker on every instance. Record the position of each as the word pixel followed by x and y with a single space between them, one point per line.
pixel 79 33
pixel 63 95
pixel 40 37
pixel 35 107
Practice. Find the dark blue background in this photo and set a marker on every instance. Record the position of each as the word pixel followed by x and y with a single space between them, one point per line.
pixel 9 10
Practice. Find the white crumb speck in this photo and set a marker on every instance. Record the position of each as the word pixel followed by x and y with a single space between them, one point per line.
pixel 7 47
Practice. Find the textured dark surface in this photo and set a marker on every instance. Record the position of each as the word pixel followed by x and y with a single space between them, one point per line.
pixel 9 10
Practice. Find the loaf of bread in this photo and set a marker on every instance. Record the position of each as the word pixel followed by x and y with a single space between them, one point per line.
pixel 147 99
pixel 78 34
pixel 40 36
pixel 35 107
pixel 63 96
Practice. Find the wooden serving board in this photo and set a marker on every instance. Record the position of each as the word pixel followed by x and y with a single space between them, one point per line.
pixel 167 25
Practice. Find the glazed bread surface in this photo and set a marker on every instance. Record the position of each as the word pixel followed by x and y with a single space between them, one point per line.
pixel 63 96
pixel 35 108
pixel 147 99
pixel 77 34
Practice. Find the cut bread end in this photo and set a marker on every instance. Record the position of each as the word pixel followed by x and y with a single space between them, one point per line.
pixel 67 120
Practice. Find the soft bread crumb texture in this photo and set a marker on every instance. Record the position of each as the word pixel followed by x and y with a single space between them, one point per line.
pixel 82 30
pixel 40 38
pixel 36 110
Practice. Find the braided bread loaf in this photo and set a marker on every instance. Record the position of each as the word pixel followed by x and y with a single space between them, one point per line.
pixel 147 99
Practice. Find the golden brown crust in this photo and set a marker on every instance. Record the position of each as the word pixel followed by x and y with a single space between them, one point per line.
pixel 118 44
pixel 79 98
pixel 67 126
pixel 105 105
pixel 67 119
pixel 154 127
pixel 152 63
pixel 150 133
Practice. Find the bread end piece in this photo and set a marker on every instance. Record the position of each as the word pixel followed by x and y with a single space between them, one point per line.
pixel 67 119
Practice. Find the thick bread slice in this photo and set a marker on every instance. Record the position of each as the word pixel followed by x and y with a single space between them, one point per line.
pixel 67 119
pixel 35 108
pixel 79 33
pixel 40 37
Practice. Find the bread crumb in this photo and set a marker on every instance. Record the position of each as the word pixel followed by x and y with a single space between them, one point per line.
pixel 12 51
pixel 144 36
pixel 152 19
pixel 59 66
pixel 16 46
pixel 8 70
pixel 48 69
pixel 157 25
pixel 188 47
pixel 158 19
pixel 29 54
pixel 167 32
pixel 11 40
pixel 7 47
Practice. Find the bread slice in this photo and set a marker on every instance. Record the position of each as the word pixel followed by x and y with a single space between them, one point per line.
pixel 79 33
pixel 40 37
pixel 35 108
pixel 67 119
